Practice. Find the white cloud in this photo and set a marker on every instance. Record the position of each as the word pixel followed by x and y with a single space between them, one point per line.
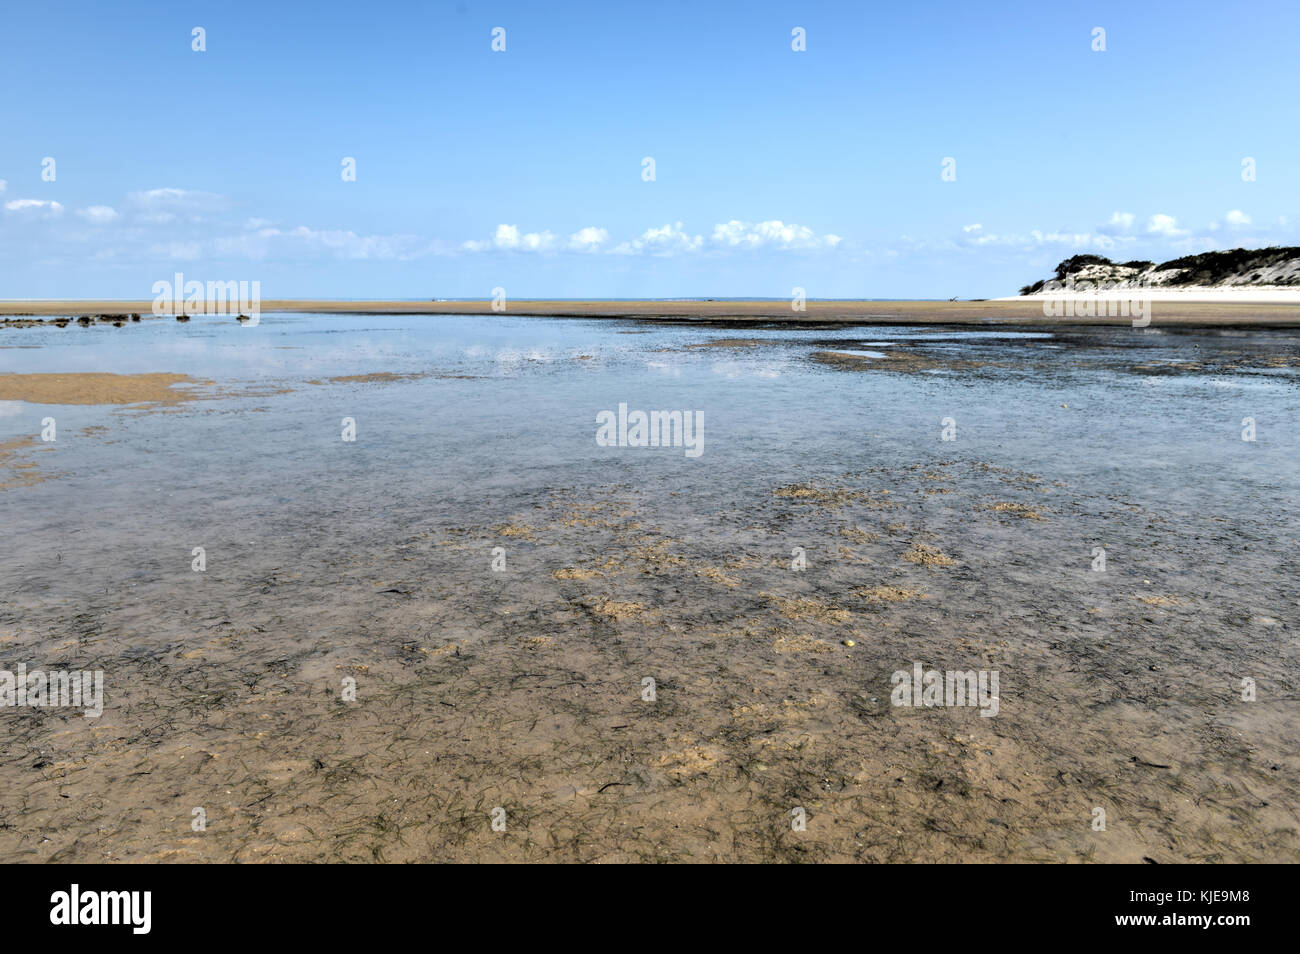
pixel 163 206
pixel 664 240
pixel 3 185
pixel 1080 239
pixel 170 196
pixel 589 239
pixel 1165 225
pixel 976 237
pixel 98 214
pixel 508 237
pixel 533 241
pixel 972 228
pixel 773 232
pixel 1113 236
pixel 45 207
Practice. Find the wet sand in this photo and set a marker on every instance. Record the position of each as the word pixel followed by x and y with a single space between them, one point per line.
pixel 95 388
pixel 18 466
pixel 524 688
pixel 1027 312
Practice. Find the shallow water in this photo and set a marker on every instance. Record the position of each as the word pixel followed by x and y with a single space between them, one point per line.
pixel 534 386
pixel 373 557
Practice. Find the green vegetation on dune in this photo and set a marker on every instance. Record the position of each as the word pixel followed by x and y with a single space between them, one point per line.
pixel 1207 268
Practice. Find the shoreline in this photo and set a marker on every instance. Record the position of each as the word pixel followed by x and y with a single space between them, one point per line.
pixel 1018 311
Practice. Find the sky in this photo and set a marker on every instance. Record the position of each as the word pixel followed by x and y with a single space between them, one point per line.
pixel 524 168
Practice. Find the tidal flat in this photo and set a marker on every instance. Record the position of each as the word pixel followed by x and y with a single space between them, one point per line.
pixel 475 612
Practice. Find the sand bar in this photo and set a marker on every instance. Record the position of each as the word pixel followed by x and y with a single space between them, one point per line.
pixel 1029 311
pixel 95 388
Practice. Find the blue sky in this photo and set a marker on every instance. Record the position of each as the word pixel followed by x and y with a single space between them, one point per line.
pixel 523 169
